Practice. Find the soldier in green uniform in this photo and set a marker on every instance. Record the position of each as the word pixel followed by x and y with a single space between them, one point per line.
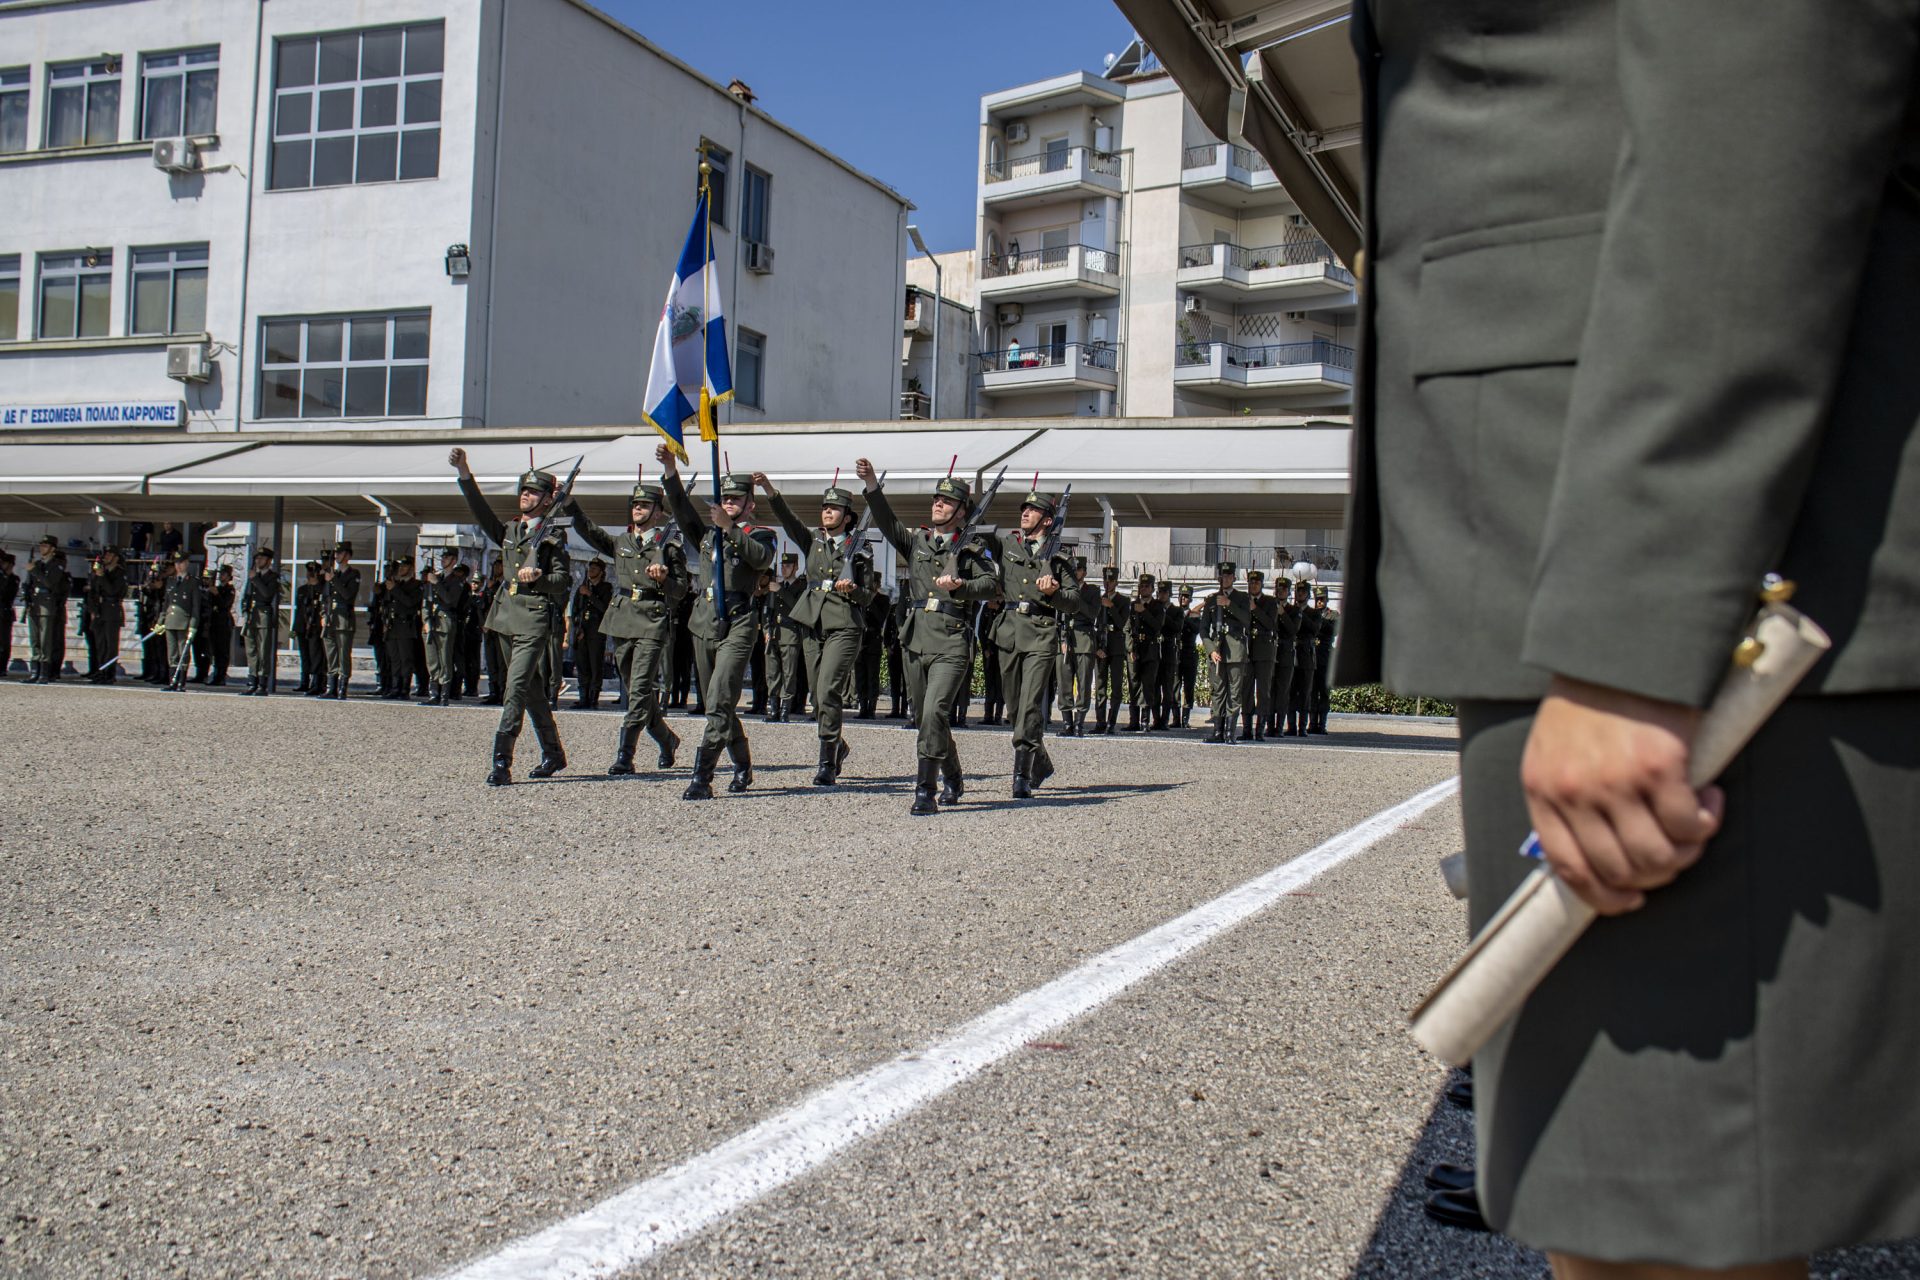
pixel 260 617
pixel 150 616
pixel 47 588
pixel 1034 582
pixel 1228 630
pixel 1263 652
pixel 406 597
pixel 590 603
pixel 105 613
pixel 1300 690
pixel 220 626
pixel 1144 624
pixel 828 614
pixel 339 597
pixel 445 599
pixel 187 608
pixel 1173 633
pixel 944 578
pixel 1286 617
pixel 723 630
pixel 525 614
pixel 1111 610
pixel 786 653
pixel 1322 662
pixel 649 582
pixel 1073 679
pixel 9 592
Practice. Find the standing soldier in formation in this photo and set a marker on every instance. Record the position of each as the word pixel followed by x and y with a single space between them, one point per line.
pixel 377 632
pixel 786 653
pixel 46 601
pixel 525 614
pixel 1263 652
pixel 339 597
pixel 1322 662
pixel 1144 623
pixel 445 600
pixel 1189 657
pixel 1073 671
pixel 472 635
pixel 590 603
pixel 1287 617
pixel 307 630
pixel 1112 609
pixel 722 629
pixel 9 592
pixel 406 597
pixel 220 631
pixel 875 640
pixel 1173 631
pixel 649 582
pixel 944 577
pixel 187 609
pixel 104 614
pixel 1300 690
pixel 1034 582
pixel 490 644
pixel 151 616
pixel 260 623
pixel 828 613
pixel 1228 630
pixel 993 696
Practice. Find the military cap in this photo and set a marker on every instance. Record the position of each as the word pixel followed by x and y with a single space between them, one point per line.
pixel 180 556
pixel 646 491
pixel 596 563
pixel 1186 588
pixel 1319 593
pixel 258 552
pixel 837 497
pixel 449 553
pixel 540 482
pixel 790 558
pixel 345 546
pixel 954 489
pixel 737 485
pixel 404 560
pixel 1111 571
pixel 48 540
pixel 1225 566
pixel 109 550
pixel 1044 503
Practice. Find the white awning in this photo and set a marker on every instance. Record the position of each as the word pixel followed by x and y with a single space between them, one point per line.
pixel 105 469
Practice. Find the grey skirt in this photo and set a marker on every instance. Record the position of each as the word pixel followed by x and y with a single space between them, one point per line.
pixel 1730 1075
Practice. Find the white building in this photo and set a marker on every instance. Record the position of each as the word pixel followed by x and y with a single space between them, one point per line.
pixel 938 377
pixel 1132 264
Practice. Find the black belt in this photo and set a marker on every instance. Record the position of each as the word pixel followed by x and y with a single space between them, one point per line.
pixel 1034 607
pixel 734 599
pixel 643 593
pixel 932 605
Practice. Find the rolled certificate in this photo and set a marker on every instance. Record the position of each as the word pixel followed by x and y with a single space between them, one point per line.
pixel 1543 919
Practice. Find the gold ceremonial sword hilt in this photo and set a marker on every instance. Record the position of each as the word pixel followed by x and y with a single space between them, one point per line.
pixel 1774 589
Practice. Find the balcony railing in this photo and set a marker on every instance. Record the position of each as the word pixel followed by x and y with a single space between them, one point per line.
pixel 1271 356
pixel 1271 559
pixel 1088 355
pixel 1237 157
pixel 915 404
pixel 1060 160
pixel 1302 252
pixel 1000 265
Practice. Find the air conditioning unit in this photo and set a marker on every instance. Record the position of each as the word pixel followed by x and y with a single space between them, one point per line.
pixel 1193 304
pixel 188 362
pixel 1009 314
pixel 759 258
pixel 1296 315
pixel 1017 131
pixel 176 155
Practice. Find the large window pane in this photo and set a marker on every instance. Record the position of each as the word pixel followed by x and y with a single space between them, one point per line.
pixel 407 393
pixel 423 102
pixel 367 340
pixel 203 95
pixel 323 341
pixel 160 117
pixel 293 113
pixel 370 385
pixel 320 393
pixel 425 49
pixel 150 303
pixel 378 78
pixel 333 161
pixel 379 105
pixel 293 67
pixel 57 299
pixel 67 116
pixel 13 122
pixel 190 300
pixel 379 55
pixel 339 58
pixel 410 337
pixel 283 342
pixel 367 392
pixel 420 153
pixel 378 152
pixel 96 298
pixel 280 393
pixel 9 308
pixel 336 110
pixel 103 113
pixel 292 164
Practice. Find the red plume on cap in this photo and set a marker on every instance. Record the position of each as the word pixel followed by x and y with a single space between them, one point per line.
pixel 836 479
pixel 951 465
pixel 529 457
pixel 1036 481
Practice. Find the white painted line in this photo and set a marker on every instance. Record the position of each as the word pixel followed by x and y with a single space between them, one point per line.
pixel 649 1217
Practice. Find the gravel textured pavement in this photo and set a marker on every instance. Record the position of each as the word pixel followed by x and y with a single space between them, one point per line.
pixel 287 991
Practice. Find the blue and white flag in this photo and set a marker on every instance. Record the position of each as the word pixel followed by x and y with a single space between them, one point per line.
pixel 690 372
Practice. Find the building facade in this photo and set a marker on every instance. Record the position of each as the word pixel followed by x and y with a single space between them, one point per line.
pixel 937 377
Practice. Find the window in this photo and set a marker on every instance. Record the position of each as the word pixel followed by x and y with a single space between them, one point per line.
pixel 83 104
pixel 344 366
pixel 170 290
pixel 749 369
pixel 754 189
pixel 13 108
pixel 9 297
pixel 177 93
pixel 1055 158
pixel 357 106
pixel 76 290
pixel 718 159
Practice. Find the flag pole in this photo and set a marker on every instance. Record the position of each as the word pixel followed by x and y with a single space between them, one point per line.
pixel 706 401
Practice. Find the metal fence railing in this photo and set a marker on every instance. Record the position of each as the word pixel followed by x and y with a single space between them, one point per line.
pixel 1268 557
pixel 1091 355
pixel 1295 253
pixel 1055 160
pixel 1237 157
pixel 1271 355
pixel 999 265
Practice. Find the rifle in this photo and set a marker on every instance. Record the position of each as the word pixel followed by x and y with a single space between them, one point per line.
pixel 1051 547
pixel 974 517
pixel 561 497
pixel 858 537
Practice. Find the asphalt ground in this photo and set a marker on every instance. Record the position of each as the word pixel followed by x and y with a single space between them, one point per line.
pixel 287 992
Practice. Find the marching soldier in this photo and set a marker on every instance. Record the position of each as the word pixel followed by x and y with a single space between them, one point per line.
pixel 9 592
pixel 1300 691
pixel 944 576
pixel 649 582
pixel 339 597
pixel 1112 609
pixel 1144 624
pixel 150 615
pixel 105 614
pixel 1034 584
pixel 1263 652
pixel 785 646
pixel 189 604
pixel 445 600
pixel 828 614
pixel 1227 630
pixel 722 629
pixel 590 603
pixel 1322 662
pixel 260 614
pixel 525 614
pixel 46 601
pixel 1073 670
pixel 220 626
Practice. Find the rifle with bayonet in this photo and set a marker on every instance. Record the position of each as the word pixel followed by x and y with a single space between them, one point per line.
pixel 1050 547
pixel 973 521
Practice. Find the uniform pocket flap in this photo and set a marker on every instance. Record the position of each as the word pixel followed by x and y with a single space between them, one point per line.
pixel 1506 297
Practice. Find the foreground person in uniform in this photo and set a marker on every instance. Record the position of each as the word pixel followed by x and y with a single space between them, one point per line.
pixel 1145 621
pixel 649 581
pixel 1073 670
pixel 339 596
pixel 9 592
pixel 943 580
pixel 1227 631
pixel 46 600
pixel 1111 611
pixel 445 600
pixel 260 617
pixel 104 614
pixel 723 631
pixel 1687 352
pixel 1034 582
pixel 829 611
pixel 525 614
pixel 187 608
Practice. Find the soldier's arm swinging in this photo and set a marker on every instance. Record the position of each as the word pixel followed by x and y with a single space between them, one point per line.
pixel 483 515
pixel 801 535
pixel 594 536
pixel 883 514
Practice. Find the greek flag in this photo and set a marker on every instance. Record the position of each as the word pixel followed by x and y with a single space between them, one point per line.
pixel 690 373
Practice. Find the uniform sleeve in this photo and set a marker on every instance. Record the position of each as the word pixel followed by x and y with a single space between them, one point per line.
pixel 1759 140
pixel 483 515
pixel 678 580
pixel 888 523
pixel 691 523
pixel 801 535
pixel 592 534
pixel 754 553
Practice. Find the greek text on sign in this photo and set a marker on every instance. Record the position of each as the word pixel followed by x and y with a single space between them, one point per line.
pixel 111 413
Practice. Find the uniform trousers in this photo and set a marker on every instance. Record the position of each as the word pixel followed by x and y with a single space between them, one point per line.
pixel 638 662
pixel 796 671
pixel 1073 676
pixel 262 633
pixel 443 656
pixel 722 667
pixel 6 641
pixel 1300 688
pixel 180 642
pixel 830 657
pixel 103 640
pixel 1258 692
pixel 1146 682
pixel 933 680
pixel 1229 691
pixel 589 664
pixel 1279 689
pixel 1027 677
pixel 340 648
pixel 47 636
pixel 527 693
pixel 1110 683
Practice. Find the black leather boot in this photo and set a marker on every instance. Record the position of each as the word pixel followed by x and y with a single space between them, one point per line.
pixel 315 687
pixel 502 760
pixel 825 774
pixel 1042 765
pixel 840 754
pixel 953 783
pixel 667 747
pixel 623 751
pixel 742 757
pixel 553 757
pixel 432 699
pixel 700 787
pixel 1219 733
pixel 1023 773
pixel 923 799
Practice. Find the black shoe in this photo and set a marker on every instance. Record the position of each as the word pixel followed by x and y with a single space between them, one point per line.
pixel 315 688
pixel 840 758
pixel 824 773
pixel 742 757
pixel 959 719
pixel 701 785
pixel 923 798
pixel 1457 1209
pixel 340 689
pixel 502 760
pixel 432 699
pixel 1460 1094
pixel 1042 766
pixel 912 722
pixel 1023 773
pixel 496 699
pixel 667 748
pixel 553 757
pixel 623 751
pixel 1219 733
pixel 953 783
pixel 1449 1177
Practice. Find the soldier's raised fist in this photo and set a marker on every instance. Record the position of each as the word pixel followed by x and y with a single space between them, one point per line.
pixel 457 459
pixel 863 468
pixel 663 454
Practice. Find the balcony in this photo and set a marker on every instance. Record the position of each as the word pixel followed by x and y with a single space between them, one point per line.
pixel 1284 369
pixel 1304 272
pixel 1062 366
pixel 1230 175
pixel 1066 271
pixel 915 406
pixel 1047 175
pixel 918 321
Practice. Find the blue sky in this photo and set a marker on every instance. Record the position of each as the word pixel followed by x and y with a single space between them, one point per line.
pixel 892 88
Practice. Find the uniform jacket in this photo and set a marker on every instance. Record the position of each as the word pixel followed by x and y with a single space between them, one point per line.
pixel 1080 628
pixel 339 595
pixel 47 586
pixel 406 598
pixel 446 603
pixel 106 595
pixel 934 622
pixel 1306 636
pixel 818 606
pixel 262 596
pixel 642 609
pixel 1032 619
pixel 1264 634
pixel 745 552
pixel 188 605
pixel 9 592
pixel 1110 624
pixel 590 603
pixel 1227 625
pixel 1145 621
pixel 306 609
pixel 523 608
